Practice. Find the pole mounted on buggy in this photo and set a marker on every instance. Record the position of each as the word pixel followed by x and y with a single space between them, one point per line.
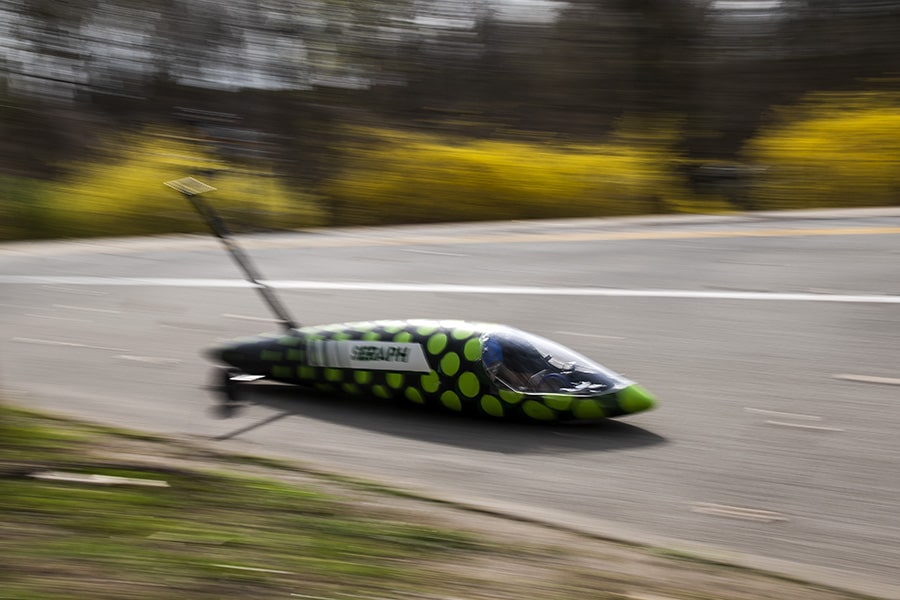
pixel 192 189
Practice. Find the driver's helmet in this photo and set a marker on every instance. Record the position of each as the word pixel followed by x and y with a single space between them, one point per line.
pixel 491 354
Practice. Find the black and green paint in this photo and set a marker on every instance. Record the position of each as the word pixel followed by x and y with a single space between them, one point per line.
pixel 454 377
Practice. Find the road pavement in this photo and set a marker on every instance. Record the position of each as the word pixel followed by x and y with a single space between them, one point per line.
pixel 771 340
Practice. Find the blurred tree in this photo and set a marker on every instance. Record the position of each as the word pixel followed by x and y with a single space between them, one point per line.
pixel 832 44
pixel 289 72
pixel 613 57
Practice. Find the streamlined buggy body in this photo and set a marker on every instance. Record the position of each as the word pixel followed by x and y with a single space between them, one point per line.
pixel 470 368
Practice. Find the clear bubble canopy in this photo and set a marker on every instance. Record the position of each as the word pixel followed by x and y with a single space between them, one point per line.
pixel 530 364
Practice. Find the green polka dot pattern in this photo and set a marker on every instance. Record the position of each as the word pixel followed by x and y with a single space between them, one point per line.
pixel 468 384
pixel 511 397
pixel 472 349
pixel 437 343
pixel 450 364
pixel 395 380
pixel 279 371
pixel 538 411
pixel 457 380
pixel 431 382
pixel 588 408
pixel 491 406
pixel 271 356
pixel 462 332
pixel 425 328
pixel 558 402
pixel 414 395
pixel 451 401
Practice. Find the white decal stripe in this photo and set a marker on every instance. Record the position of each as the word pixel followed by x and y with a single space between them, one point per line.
pixel 369 355
pixel 450 289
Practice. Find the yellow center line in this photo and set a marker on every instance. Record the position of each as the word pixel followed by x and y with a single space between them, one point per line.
pixel 530 238
pixel 361 240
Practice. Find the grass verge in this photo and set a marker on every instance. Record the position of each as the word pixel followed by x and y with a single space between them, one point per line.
pixel 138 516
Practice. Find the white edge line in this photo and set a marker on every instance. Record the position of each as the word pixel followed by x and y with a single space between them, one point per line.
pixel 591 335
pixel 434 253
pixel 868 379
pixel 88 309
pixel 762 411
pixel 75 291
pixel 55 318
pixel 42 342
pixel 154 360
pixel 803 426
pixel 452 289
pixel 247 318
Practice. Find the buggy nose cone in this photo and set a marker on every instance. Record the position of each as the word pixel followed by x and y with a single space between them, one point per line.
pixel 233 355
pixel 218 354
pixel 634 399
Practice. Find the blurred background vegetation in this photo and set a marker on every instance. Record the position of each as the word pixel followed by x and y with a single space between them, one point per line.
pixel 330 112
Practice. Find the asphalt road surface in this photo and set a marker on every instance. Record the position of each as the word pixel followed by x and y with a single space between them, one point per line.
pixel 772 342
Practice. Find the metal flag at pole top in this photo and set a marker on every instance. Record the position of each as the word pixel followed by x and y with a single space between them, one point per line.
pixel 192 188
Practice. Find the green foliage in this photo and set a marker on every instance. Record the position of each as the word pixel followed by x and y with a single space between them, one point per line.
pixel 205 535
pixel 833 150
pixel 23 213
pixel 402 177
pixel 124 194
pixel 21 437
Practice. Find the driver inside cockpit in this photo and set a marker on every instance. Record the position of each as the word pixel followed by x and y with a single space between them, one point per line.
pixel 520 367
pixel 530 364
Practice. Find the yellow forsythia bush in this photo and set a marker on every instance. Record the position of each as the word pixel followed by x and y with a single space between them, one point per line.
pixel 125 195
pixel 403 177
pixel 835 150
